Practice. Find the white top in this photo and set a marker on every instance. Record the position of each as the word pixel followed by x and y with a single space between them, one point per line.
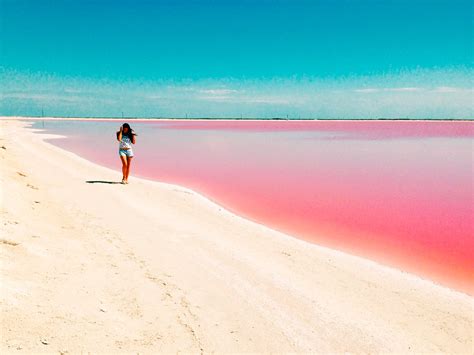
pixel 125 143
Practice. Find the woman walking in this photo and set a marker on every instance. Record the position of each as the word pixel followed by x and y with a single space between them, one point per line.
pixel 126 137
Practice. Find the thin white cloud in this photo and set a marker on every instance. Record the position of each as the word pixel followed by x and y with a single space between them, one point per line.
pixel 405 89
pixel 451 89
pixel 41 97
pixel 401 89
pixel 270 100
pixel 218 92
pixel 255 99
pixel 417 94
pixel 72 91
pixel 368 90
pixel 155 97
pixel 221 98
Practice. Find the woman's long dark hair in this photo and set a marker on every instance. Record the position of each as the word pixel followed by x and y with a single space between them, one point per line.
pixel 130 132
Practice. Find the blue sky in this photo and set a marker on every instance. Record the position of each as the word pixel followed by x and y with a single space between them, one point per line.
pixel 320 58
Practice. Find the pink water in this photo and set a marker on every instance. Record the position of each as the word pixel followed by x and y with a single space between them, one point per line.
pixel 398 192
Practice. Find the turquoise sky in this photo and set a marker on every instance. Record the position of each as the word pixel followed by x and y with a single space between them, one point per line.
pixel 320 58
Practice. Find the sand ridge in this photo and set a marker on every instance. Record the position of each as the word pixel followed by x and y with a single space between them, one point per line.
pixel 91 265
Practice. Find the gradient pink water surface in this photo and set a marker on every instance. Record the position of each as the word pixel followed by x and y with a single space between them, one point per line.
pixel 398 192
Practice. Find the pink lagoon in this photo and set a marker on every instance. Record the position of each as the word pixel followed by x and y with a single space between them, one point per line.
pixel 397 192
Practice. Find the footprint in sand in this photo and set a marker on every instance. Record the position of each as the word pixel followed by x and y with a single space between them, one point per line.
pixel 32 187
pixel 21 174
pixel 8 242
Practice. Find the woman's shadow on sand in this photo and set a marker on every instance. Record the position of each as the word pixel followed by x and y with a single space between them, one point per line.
pixel 102 182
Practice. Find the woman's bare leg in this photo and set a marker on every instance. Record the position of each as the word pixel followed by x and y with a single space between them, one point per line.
pixel 124 167
pixel 129 161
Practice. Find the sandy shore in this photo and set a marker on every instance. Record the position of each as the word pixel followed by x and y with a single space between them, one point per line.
pixel 154 267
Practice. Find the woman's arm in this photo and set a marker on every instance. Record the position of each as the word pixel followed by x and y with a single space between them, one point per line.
pixel 133 138
pixel 119 134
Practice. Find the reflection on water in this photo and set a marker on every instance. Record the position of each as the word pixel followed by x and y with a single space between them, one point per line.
pixel 399 192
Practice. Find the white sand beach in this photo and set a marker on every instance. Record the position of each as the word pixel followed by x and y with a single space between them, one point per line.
pixel 152 267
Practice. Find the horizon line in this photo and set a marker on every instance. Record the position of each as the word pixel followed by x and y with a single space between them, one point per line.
pixel 239 118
